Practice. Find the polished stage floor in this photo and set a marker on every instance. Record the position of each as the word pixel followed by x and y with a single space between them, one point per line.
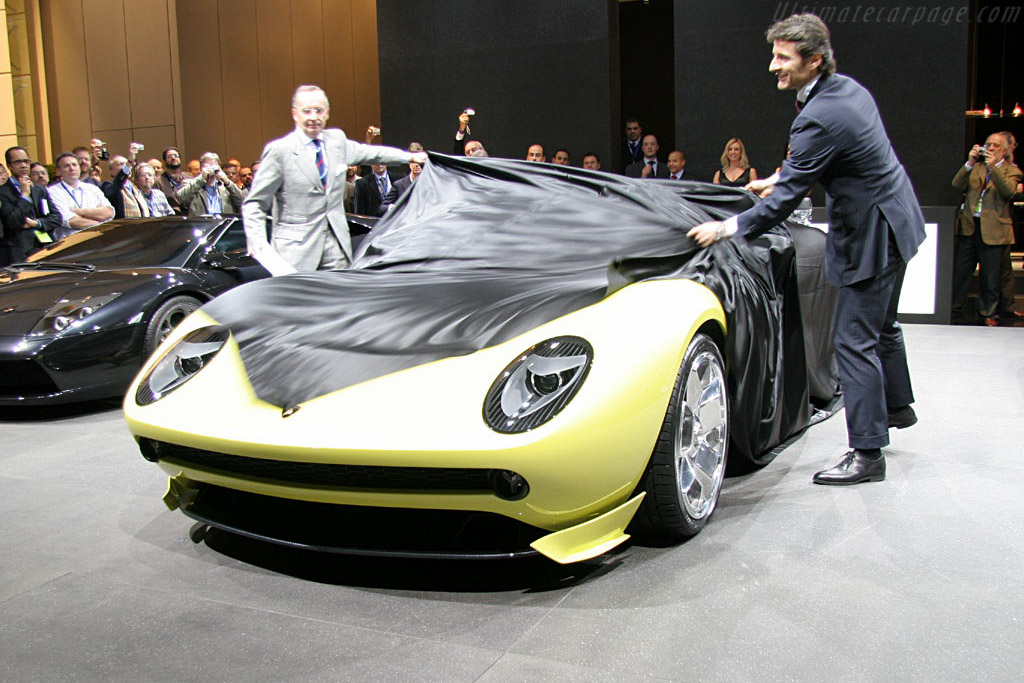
pixel 918 578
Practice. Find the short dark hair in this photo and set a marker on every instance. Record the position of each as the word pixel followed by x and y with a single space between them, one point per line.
pixel 591 154
pixel 563 149
pixel 164 155
pixel 7 154
pixel 811 36
pixel 82 148
pixel 56 162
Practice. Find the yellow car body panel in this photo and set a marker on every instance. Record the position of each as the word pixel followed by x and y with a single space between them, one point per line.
pixel 583 463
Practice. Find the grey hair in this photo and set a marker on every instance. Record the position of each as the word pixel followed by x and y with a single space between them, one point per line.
pixel 309 88
pixel 811 36
pixel 209 155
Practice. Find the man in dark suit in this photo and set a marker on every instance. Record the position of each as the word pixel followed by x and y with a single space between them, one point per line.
pixel 371 190
pixel 403 184
pixel 631 152
pixel 25 210
pixel 875 227
pixel 648 166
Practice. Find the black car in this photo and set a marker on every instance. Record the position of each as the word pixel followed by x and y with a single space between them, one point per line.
pixel 79 316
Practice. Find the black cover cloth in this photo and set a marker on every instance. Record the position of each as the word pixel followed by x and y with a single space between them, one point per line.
pixel 482 250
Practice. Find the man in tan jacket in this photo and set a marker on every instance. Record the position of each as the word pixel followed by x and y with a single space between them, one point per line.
pixel 984 227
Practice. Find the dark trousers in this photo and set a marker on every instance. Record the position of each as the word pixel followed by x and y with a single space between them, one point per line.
pixel 870 354
pixel 972 251
pixel 1006 287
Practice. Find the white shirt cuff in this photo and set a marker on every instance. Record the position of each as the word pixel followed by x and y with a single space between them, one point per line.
pixel 731 226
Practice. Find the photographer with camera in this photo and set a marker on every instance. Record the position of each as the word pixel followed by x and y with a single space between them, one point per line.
pixel 984 230
pixel 212 192
pixel 463 145
pixel 120 172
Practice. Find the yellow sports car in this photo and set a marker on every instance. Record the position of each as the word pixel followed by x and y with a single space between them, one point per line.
pixel 521 360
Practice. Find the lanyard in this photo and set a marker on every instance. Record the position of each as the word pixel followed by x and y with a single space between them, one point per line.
pixel 72 194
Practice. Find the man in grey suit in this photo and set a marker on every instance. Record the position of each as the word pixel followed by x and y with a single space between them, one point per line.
pixel 875 227
pixel 301 182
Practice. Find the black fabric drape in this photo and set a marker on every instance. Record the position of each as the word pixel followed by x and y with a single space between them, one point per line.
pixel 482 250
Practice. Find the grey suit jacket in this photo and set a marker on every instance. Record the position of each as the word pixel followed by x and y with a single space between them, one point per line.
pixel 288 185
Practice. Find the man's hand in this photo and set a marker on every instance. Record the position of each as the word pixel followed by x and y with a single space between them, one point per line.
pixel 26 186
pixel 371 133
pixel 419 158
pixel 30 223
pixel 646 171
pixel 463 122
pixel 762 188
pixel 133 152
pixel 708 233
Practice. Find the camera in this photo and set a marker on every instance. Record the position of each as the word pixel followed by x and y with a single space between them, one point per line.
pixel 104 154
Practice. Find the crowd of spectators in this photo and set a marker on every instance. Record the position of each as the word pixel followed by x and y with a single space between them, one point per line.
pixel 36 208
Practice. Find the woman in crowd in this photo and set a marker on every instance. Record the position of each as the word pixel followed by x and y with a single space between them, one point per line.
pixel 736 169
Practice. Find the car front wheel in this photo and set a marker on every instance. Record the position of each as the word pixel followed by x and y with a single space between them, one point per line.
pixel 687 468
pixel 166 318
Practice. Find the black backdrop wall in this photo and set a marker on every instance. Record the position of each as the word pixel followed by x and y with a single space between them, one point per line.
pixel 916 71
pixel 548 71
pixel 540 71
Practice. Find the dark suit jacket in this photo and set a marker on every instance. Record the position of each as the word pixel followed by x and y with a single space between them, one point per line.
pixel 630 158
pixel 112 191
pixel 17 242
pixel 636 170
pixel 839 140
pixel 368 200
pixel 401 186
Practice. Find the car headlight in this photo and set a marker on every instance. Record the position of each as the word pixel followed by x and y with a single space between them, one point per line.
pixel 71 313
pixel 181 362
pixel 537 384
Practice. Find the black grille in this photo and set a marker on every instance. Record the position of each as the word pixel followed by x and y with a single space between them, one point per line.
pixel 324 475
pixel 19 377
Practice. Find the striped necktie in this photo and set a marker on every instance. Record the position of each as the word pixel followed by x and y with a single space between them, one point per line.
pixel 321 167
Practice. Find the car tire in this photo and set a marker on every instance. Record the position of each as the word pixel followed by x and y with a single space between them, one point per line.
pixel 166 318
pixel 686 470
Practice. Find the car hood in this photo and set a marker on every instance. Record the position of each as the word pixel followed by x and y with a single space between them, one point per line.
pixel 26 295
pixel 482 251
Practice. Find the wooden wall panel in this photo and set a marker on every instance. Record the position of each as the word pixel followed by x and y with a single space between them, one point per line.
pixel 117 144
pixel 212 75
pixel 67 79
pixel 156 139
pixel 5 47
pixel 277 77
pixel 201 84
pixel 240 71
pixel 149 63
pixel 339 81
pixel 107 65
pixel 366 71
pixel 8 125
pixel 308 42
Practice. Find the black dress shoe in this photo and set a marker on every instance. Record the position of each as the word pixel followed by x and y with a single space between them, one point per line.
pixel 854 468
pixel 902 418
